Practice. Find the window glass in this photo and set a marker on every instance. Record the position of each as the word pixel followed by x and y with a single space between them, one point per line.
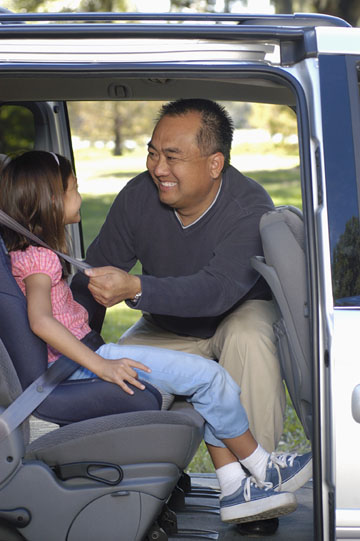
pixel 341 114
pixel 346 264
pixel 17 129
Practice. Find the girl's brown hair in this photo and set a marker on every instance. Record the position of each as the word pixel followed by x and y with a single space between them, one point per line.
pixel 32 188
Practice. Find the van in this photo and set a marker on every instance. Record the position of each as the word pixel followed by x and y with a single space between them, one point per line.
pixel 306 62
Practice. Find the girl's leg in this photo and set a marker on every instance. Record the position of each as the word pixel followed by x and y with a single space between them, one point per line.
pixel 213 394
pixel 188 374
pixel 250 453
pixel 203 382
pixel 229 472
pixel 220 456
pixel 242 446
pixel 227 468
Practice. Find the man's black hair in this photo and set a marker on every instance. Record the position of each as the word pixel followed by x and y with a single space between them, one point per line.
pixel 216 132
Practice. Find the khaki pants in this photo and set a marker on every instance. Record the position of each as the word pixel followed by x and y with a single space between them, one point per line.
pixel 244 345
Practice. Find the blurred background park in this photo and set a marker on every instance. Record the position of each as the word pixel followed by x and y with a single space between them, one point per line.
pixel 346 9
pixel 110 142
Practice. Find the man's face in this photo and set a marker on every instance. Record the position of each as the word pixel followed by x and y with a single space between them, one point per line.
pixel 186 180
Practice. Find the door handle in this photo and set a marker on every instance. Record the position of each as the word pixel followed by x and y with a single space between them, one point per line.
pixel 355 403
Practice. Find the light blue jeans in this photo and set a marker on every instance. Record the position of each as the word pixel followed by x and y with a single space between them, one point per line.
pixel 203 382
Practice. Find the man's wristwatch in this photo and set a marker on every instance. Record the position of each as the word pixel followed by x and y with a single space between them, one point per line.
pixel 136 298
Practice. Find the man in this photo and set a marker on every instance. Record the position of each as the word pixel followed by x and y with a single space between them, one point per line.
pixel 192 220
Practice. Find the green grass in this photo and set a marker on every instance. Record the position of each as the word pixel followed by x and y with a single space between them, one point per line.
pixel 93 212
pixel 94 166
pixel 282 184
pixel 117 320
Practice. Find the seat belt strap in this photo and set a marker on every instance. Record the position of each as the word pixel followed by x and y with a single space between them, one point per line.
pixel 9 222
pixel 34 395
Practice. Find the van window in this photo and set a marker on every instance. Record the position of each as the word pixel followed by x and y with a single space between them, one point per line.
pixel 341 114
pixel 17 129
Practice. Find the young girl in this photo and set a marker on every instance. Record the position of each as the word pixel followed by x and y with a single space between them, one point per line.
pixel 39 190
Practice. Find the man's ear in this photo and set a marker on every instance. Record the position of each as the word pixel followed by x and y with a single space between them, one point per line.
pixel 216 164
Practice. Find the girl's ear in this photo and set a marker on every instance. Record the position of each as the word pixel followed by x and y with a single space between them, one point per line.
pixel 217 161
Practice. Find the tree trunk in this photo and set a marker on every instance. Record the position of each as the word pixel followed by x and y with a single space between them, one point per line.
pixel 349 10
pixel 284 6
pixel 117 133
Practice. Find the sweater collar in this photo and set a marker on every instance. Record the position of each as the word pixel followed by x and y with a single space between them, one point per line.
pixel 203 214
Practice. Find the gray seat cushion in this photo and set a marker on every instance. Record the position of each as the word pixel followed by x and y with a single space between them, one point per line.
pixel 131 438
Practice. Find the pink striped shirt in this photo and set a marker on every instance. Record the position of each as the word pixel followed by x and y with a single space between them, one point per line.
pixel 37 260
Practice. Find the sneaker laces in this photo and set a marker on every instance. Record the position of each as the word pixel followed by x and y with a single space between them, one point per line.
pixel 251 481
pixel 282 460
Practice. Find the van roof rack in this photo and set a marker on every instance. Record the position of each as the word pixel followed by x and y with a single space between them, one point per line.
pixel 296 19
pixel 295 34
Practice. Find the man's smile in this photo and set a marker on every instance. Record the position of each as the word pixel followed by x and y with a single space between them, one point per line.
pixel 166 184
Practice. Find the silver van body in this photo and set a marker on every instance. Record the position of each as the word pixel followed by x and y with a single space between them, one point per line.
pixel 310 63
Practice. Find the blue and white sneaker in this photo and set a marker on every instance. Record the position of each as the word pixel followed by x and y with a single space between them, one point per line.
pixel 289 471
pixel 255 502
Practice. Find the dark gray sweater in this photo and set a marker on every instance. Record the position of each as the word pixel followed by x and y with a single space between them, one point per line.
pixel 192 278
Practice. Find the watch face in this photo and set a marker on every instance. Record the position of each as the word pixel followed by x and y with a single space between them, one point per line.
pixel 136 298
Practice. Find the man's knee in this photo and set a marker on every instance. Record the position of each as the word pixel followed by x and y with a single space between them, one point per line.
pixel 145 332
pixel 246 335
pixel 251 319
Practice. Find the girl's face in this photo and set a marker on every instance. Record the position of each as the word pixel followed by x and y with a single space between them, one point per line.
pixel 72 202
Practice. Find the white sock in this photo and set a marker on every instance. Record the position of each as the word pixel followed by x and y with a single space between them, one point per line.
pixel 230 477
pixel 256 463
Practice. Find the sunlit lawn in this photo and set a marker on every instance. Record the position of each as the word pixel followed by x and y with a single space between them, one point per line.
pixel 99 168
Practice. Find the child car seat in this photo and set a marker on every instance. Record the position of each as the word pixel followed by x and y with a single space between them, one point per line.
pixel 104 475
pixel 284 268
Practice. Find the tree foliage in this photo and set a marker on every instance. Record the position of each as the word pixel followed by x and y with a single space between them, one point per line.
pixel 346 261
pixel 17 129
pixel 276 118
pixel 113 121
pixel 46 6
pixel 345 9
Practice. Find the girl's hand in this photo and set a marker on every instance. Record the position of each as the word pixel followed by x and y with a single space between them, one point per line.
pixel 120 370
pixel 49 329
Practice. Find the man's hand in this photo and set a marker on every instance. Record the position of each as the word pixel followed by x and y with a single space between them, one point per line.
pixel 110 285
